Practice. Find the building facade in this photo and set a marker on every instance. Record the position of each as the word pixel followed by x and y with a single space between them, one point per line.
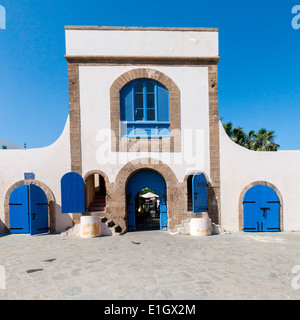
pixel 143 113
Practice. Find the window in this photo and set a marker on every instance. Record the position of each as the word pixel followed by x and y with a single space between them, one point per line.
pixel 145 109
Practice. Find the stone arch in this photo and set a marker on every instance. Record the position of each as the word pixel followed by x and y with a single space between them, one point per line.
pixel 106 182
pixel 175 122
pixel 186 189
pixel 174 195
pixel 147 73
pixel 211 196
pixel 50 197
pixel 265 183
pixel 96 171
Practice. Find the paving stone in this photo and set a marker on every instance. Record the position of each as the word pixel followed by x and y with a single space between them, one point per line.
pixel 162 266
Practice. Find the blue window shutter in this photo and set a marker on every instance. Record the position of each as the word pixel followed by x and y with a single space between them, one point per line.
pixel 199 190
pixel 163 104
pixel 126 103
pixel 72 193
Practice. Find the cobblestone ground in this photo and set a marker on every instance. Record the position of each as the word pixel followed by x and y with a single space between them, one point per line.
pixel 151 265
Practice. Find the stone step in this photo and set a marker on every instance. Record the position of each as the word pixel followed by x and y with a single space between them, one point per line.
pixel 98 201
pixel 110 229
pixel 97 208
pixel 99 196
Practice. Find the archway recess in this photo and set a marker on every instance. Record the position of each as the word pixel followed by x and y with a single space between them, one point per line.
pixel 146 178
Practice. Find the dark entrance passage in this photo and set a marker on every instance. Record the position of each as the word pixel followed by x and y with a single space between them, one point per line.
pixel 145 213
pixel 147 210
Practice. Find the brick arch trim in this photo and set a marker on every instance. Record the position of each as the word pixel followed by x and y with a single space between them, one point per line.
pixel 121 81
pixel 265 183
pixel 127 171
pixel 145 163
pixel 106 181
pixel 147 73
pixel 96 172
pixel 50 197
pixel 211 196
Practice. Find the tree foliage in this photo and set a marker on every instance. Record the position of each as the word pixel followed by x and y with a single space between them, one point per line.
pixel 262 140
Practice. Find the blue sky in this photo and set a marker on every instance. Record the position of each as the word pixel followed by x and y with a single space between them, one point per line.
pixel 259 82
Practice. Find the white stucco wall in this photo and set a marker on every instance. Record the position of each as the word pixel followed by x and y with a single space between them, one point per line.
pixel 93 41
pixel 240 167
pixel 95 83
pixel 48 164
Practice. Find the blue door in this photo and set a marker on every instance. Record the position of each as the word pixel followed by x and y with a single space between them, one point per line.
pixel 261 209
pixel 199 191
pixel 38 208
pixel 146 179
pixel 72 193
pixel 130 212
pixel 163 213
pixel 28 206
pixel 19 210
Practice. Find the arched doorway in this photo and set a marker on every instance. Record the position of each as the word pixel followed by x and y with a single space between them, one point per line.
pixel 261 209
pixel 150 181
pixel 28 210
pixel 95 192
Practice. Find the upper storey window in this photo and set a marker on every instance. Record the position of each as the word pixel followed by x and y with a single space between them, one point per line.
pixel 145 109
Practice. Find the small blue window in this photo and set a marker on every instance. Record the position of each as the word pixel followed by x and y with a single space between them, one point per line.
pixel 145 109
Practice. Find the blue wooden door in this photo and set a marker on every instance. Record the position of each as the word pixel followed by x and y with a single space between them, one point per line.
pixel 251 211
pixel 72 193
pixel 131 212
pixel 199 191
pixel 38 208
pixel 146 179
pixel 261 210
pixel 19 210
pixel 163 213
pixel 28 209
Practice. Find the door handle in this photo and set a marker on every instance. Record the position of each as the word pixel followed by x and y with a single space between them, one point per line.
pixel 265 210
pixel 33 216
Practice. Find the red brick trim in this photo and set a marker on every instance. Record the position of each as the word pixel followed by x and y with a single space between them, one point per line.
pixel 74 114
pixel 214 193
pixel 137 60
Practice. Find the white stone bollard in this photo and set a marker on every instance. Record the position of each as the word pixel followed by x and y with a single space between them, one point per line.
pixel 200 227
pixel 90 226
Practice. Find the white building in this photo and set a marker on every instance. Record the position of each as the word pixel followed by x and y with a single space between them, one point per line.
pixel 144 113
pixel 4 144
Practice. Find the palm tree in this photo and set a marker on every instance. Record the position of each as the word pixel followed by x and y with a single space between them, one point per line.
pixel 264 141
pixel 228 128
pixel 250 139
pixel 238 136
